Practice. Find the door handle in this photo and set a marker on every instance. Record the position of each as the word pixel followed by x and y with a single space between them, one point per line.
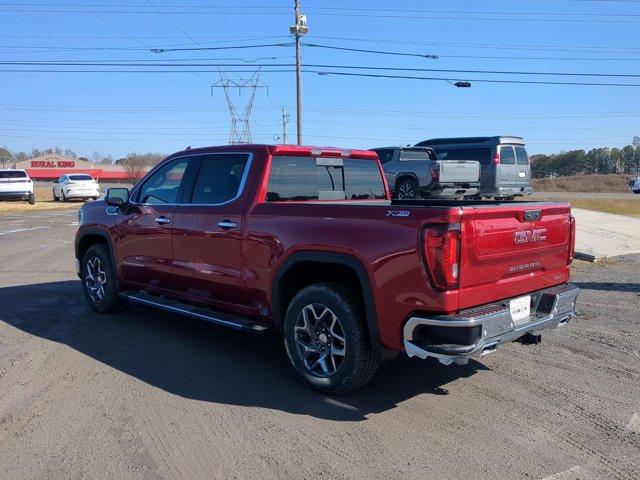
pixel 227 224
pixel 162 220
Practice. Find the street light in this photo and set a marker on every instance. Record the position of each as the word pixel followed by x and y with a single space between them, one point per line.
pixel 464 84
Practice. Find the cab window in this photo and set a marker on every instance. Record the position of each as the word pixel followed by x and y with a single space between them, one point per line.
pixel 219 178
pixel 163 185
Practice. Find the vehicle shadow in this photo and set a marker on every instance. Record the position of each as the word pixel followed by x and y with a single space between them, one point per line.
pixel 610 286
pixel 201 361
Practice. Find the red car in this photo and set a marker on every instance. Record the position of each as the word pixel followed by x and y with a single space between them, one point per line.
pixel 306 242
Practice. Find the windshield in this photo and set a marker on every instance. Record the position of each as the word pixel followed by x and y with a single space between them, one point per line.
pixel 13 174
pixel 80 177
pixel 308 178
pixel 421 154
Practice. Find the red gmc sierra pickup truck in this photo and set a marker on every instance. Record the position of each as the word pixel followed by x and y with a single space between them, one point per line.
pixel 306 242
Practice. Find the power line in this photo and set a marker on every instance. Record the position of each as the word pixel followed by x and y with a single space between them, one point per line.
pixel 90 44
pixel 315 65
pixel 530 82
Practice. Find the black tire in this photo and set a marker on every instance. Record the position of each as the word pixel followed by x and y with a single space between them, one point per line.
pixel 63 197
pixel 637 192
pixel 109 301
pixel 357 365
pixel 32 199
pixel 407 190
pixel 509 198
pixel 53 195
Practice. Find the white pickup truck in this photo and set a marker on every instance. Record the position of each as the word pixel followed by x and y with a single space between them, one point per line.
pixel 416 172
pixel 634 185
pixel 16 185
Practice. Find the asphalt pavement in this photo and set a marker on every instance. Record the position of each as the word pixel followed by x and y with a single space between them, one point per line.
pixel 148 395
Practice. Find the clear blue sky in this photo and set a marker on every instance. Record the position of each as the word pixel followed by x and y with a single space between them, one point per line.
pixel 116 113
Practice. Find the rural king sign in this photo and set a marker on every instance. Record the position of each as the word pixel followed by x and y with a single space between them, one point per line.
pixel 53 164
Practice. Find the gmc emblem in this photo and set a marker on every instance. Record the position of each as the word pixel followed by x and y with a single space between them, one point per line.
pixel 530 236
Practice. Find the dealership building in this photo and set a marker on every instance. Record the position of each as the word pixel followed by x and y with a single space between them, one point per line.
pixel 51 167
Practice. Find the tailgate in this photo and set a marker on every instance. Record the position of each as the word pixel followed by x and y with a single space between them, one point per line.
pixel 511 249
pixel 461 171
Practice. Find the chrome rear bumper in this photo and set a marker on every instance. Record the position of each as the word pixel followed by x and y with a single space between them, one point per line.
pixel 486 327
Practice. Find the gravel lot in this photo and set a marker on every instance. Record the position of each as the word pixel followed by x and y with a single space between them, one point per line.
pixel 148 395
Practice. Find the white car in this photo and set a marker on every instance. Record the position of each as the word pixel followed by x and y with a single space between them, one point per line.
pixel 634 185
pixel 16 185
pixel 75 185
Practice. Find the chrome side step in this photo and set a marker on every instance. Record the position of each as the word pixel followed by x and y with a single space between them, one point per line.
pixel 201 313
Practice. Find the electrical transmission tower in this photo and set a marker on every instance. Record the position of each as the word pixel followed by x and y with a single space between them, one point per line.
pixel 240 125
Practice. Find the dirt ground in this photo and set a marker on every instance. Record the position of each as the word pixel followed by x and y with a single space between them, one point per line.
pixel 44 202
pixel 612 183
pixel 148 395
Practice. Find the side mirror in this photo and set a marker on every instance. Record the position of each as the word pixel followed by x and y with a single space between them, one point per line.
pixel 117 197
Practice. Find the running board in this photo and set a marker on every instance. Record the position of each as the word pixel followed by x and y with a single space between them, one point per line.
pixel 201 313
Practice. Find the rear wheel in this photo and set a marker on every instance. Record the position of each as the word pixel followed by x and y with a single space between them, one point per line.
pixel 407 190
pixel 637 192
pixel 327 341
pixel 32 199
pixel 99 280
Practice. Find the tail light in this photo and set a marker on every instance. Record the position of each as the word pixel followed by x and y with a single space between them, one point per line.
pixel 572 237
pixel 434 169
pixel 441 249
pixel 496 158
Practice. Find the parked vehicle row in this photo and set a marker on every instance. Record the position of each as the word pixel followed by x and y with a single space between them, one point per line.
pixel 479 167
pixel 504 162
pixel 306 242
pixel 16 185
pixel 415 172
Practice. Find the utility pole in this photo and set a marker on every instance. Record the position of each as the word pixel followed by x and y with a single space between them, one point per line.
pixel 285 120
pixel 298 30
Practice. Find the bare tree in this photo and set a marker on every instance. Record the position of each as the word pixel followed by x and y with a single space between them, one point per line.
pixel 137 164
pixel 5 157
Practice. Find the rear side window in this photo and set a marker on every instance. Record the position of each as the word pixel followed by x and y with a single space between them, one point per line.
pixel 80 177
pixel 308 178
pixel 13 174
pixel 163 185
pixel 507 156
pixel 482 155
pixel 408 155
pixel 385 155
pixel 521 156
pixel 219 178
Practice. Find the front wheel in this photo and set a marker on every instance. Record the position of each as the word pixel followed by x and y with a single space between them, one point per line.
pixel 407 190
pixel 637 192
pixel 99 280
pixel 326 339
pixel 32 199
pixel 63 197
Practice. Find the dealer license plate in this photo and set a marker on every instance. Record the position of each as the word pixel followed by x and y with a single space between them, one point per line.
pixel 520 309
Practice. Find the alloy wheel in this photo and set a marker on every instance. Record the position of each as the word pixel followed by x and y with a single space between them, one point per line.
pixel 320 340
pixel 95 279
pixel 406 191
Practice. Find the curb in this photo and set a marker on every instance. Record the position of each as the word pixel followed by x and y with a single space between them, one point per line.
pixel 586 256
